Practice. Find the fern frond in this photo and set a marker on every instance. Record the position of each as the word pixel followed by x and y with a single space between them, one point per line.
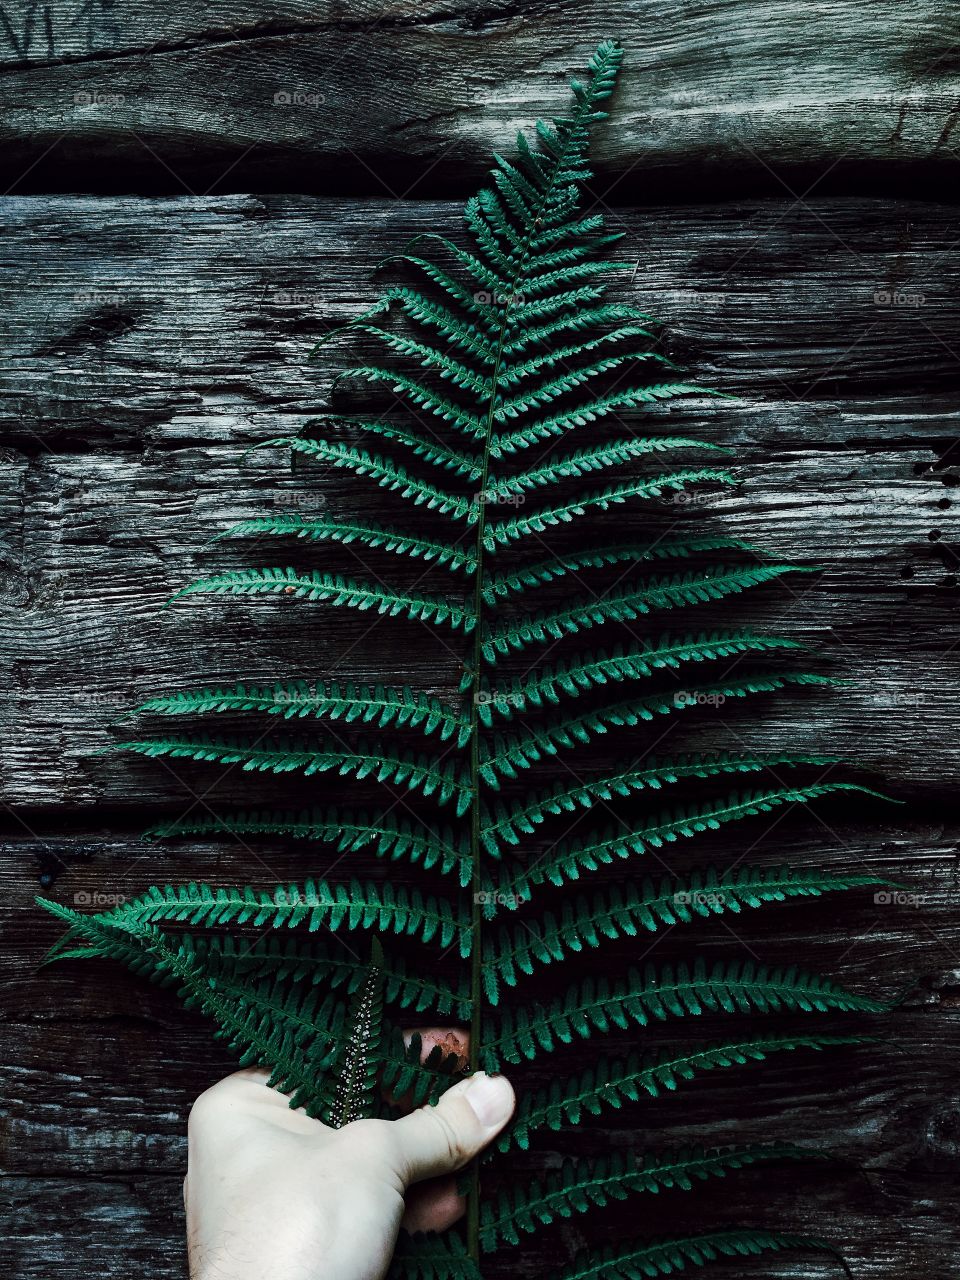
pixel 351 703
pixel 571 323
pixel 345 830
pixel 662 1258
pixel 507 821
pixel 544 361
pixel 613 1083
pixel 415 773
pixel 517 349
pixel 675 591
pixel 671 992
pixel 506 755
pixel 570 858
pixel 537 575
pixel 597 410
pixel 351 1087
pixel 548 685
pixel 336 590
pixel 343 453
pixel 312 906
pixel 309 962
pixel 383 471
pixel 670 901
pixel 560 385
pixel 581 1185
pixel 428 357
pixel 423 397
pixel 432 1257
pixel 463 297
pixel 346 532
pixel 503 532
pixel 598 458
pixel 276 1024
pixel 453 327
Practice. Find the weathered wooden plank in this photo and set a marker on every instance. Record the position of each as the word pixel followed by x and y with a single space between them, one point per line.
pixel 135 321
pixel 104 540
pixel 71 1027
pixel 112 1228
pixel 399 97
pixel 112 1145
pixel 94 543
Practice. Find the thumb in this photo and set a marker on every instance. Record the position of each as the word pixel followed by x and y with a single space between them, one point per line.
pixel 442 1139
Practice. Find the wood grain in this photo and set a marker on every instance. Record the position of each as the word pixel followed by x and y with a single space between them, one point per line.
pixel 402 98
pixel 148 343
pixel 134 322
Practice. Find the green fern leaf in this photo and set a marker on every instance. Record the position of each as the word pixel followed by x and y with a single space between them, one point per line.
pixel 570 858
pixel 509 822
pixel 364 704
pixel 349 1093
pixel 432 1258
pixel 616 913
pixel 512 346
pixel 507 755
pixel 559 424
pixel 312 906
pixel 599 458
pixel 579 1186
pixel 672 992
pixel 368 535
pixel 336 590
pixel 345 830
pixel 546 571
pixel 675 591
pixel 505 531
pixel 612 1084
pixel 662 1258
pixel 549 685
pixel 415 773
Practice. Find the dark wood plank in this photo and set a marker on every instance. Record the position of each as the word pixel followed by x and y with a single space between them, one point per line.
pixel 114 1227
pixel 89 1140
pixel 105 540
pixel 77 1023
pixel 127 415
pixel 136 322
pixel 402 97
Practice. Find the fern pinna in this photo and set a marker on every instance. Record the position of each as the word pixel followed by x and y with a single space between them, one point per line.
pixel 521 385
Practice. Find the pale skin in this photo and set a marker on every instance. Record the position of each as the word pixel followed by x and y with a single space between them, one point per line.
pixel 272 1194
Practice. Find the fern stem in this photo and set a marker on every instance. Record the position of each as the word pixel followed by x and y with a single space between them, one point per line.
pixel 583 109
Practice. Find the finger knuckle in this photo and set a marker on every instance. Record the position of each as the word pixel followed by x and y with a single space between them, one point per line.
pixel 455 1152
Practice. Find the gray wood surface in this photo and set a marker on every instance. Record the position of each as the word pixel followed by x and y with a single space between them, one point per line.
pixel 103 1068
pixel 401 96
pixel 150 350
pixel 148 342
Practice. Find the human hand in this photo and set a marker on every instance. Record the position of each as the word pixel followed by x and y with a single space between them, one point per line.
pixel 272 1194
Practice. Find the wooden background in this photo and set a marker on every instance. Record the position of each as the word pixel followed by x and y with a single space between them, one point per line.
pixel 785 176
